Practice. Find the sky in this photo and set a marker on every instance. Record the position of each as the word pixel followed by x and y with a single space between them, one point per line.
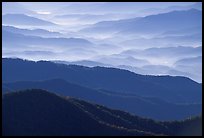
pixel 55 5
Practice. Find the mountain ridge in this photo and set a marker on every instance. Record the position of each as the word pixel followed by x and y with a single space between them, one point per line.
pixel 110 79
pixel 22 19
pixel 172 19
pixel 35 103
pixel 151 107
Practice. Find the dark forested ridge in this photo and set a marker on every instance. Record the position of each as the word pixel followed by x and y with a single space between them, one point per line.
pixel 38 112
pixel 150 107
pixel 172 89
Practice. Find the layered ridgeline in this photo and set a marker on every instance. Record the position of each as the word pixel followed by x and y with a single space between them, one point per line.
pixel 173 89
pixel 150 107
pixel 152 24
pixel 157 97
pixel 37 112
pixel 22 19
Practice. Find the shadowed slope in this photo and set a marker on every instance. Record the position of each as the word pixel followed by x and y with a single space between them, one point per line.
pixel 172 89
pixel 151 107
pixel 38 112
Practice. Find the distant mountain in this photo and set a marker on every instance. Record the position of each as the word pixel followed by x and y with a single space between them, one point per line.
pixel 14 8
pixel 173 89
pixel 163 22
pixel 44 47
pixel 125 8
pixel 197 5
pixel 182 32
pixel 116 60
pixel 144 70
pixel 174 52
pixel 157 69
pixel 192 65
pixel 45 114
pixel 177 71
pixel 190 61
pixel 34 32
pixel 161 41
pixel 22 19
pixel 87 63
pixel 188 39
pixel 150 107
pixel 113 26
pixel 134 69
pixel 148 11
pixel 152 24
pixel 166 70
pixel 167 56
pixel 25 40
pixel 92 18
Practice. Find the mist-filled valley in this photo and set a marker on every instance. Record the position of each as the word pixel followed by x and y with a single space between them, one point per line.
pixel 158 40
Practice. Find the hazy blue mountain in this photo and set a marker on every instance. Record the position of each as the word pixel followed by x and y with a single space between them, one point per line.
pixel 150 107
pixel 192 65
pixel 156 69
pixel 137 70
pixel 46 48
pixel 197 5
pixel 120 60
pixel 154 24
pixel 91 18
pixel 165 70
pixel 168 56
pixel 22 19
pixel 115 7
pixel 162 41
pixel 186 31
pixel 69 116
pixel 190 61
pixel 176 71
pixel 14 8
pixel 21 39
pixel 173 52
pixel 34 32
pixel 87 63
pixel 79 16
pixel 146 69
pixel 110 26
pixel 162 22
pixel 184 40
pixel 149 11
pixel 173 89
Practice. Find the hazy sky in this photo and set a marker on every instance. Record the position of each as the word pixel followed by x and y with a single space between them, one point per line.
pixel 54 5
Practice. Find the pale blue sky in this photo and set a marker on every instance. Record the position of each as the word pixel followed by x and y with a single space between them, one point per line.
pixel 54 5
